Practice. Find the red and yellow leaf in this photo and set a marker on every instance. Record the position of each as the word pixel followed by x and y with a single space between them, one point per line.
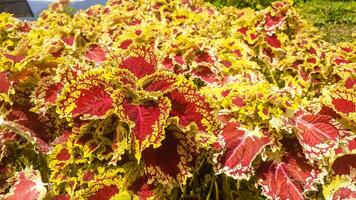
pixel 241 147
pixel 289 179
pixel 318 134
pixel 5 83
pixel 192 109
pixel 27 184
pixel 96 54
pixel 170 164
pixel 341 187
pixel 37 129
pixel 342 100
pixel 141 63
pixel 45 94
pixel 148 123
pixel 88 97
pixel 161 82
pixel 94 101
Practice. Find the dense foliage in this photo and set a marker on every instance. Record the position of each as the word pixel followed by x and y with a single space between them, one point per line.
pixel 157 99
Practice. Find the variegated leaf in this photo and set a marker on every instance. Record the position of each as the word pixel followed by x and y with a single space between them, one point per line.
pixel 290 178
pixel 27 184
pixel 241 147
pixel 148 123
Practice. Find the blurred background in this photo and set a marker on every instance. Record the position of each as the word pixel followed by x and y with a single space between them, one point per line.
pixel 336 19
pixel 30 9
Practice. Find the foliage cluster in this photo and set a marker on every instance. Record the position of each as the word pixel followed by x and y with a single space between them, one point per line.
pixel 155 99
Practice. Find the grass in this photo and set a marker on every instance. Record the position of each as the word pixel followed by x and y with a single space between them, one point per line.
pixel 336 19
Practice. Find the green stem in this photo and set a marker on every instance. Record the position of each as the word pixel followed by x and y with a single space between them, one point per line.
pixel 272 76
pixel 216 189
pixel 226 186
pixel 210 189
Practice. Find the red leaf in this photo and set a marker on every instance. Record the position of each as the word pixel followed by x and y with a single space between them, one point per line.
pixel 241 148
pixel 94 101
pixel 344 106
pixel 46 92
pixel 165 157
pixel 63 155
pixel 204 58
pixel 311 60
pixel 57 54
pixel 25 28
pixel 149 122
pixel 344 193
pixel 141 188
pixel 105 193
pixel 267 52
pixel 138 66
pixel 226 63
pixel 273 41
pixel 342 100
pixel 253 36
pixel 126 78
pixel 344 164
pixel 186 111
pixel 159 82
pixel 138 32
pixel 125 44
pixel 317 134
pixel 15 58
pixel 350 82
pixel 179 59
pixel 27 185
pixel 6 137
pixel 5 84
pixel 96 54
pixel 52 92
pixel 142 63
pixel 69 40
pixel 239 101
pixel 237 53
pixel 170 163
pixel 347 49
pixel 168 63
pixel 37 129
pixel 62 138
pixel 296 63
pixel 144 116
pixel 273 21
pixel 325 110
pixel 312 51
pixel 134 22
pixel 289 179
pixel 340 61
pixel 190 107
pixel 243 30
pixel 205 73
pixel 88 176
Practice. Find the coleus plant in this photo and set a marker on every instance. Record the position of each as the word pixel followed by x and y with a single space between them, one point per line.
pixel 135 100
